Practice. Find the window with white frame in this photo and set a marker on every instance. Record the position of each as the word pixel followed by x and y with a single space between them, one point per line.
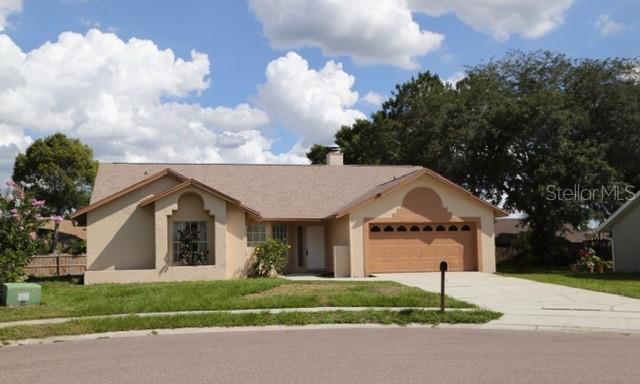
pixel 256 234
pixel 190 242
pixel 279 232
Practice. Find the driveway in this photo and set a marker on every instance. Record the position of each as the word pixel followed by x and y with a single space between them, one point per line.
pixel 528 304
pixel 382 355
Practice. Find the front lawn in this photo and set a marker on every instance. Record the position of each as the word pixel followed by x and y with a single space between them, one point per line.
pixel 86 326
pixel 66 299
pixel 616 283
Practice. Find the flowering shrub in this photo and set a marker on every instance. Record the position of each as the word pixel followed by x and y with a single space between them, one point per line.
pixel 589 262
pixel 270 258
pixel 19 220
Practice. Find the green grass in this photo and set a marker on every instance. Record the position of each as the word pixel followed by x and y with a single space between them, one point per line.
pixel 65 299
pixel 616 283
pixel 133 322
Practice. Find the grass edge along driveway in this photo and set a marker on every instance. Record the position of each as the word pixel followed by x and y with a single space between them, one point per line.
pixel 627 285
pixel 65 299
pixel 133 322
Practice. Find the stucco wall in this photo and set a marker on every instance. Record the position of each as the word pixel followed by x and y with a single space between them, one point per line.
pixel 627 241
pixel 458 203
pixel 120 235
pixel 336 234
pixel 237 251
pixel 168 206
pixel 127 243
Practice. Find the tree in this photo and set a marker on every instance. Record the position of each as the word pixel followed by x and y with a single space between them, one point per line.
pixel 58 170
pixel 318 154
pixel 513 131
pixel 19 220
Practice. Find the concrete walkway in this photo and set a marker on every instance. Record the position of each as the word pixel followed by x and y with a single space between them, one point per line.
pixel 528 304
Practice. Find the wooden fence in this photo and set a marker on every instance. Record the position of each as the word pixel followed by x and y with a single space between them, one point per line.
pixel 57 265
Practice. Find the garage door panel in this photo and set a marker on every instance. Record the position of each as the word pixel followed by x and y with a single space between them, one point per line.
pixel 421 251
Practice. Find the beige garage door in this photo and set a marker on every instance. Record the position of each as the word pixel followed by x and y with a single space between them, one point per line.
pixel 421 247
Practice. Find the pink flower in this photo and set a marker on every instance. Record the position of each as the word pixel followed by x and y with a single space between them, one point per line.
pixel 11 184
pixel 57 219
pixel 14 213
pixel 32 236
pixel 37 203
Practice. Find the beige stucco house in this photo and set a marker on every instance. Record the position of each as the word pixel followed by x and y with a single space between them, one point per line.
pixel 345 220
pixel 622 229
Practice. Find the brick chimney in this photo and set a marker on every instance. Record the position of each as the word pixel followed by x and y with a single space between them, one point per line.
pixel 334 156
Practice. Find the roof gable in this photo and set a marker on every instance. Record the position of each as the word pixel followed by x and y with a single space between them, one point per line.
pixel 389 187
pixel 626 207
pixel 135 186
pixel 198 185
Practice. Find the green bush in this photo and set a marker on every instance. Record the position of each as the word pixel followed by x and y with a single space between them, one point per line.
pixel 19 221
pixel 76 247
pixel 270 258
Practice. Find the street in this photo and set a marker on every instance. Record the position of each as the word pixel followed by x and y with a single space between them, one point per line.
pixel 384 355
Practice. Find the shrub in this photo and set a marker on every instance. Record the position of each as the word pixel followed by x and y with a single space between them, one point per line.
pixel 19 220
pixel 76 247
pixel 270 258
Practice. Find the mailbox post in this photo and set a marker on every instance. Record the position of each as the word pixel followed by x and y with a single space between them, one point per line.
pixel 443 269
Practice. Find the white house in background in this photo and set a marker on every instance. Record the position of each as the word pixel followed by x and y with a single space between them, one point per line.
pixel 624 230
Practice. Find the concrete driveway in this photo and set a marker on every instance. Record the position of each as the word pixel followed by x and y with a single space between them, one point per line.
pixel 528 304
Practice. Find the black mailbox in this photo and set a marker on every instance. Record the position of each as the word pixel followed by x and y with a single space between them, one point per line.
pixel 443 269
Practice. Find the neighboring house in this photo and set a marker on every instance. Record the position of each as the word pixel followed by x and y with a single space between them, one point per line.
pixel 343 219
pixel 66 232
pixel 508 228
pixel 623 228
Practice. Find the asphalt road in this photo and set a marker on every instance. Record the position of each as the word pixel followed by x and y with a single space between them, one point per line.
pixel 391 355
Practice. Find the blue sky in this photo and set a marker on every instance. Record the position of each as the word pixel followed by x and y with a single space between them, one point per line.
pixel 134 103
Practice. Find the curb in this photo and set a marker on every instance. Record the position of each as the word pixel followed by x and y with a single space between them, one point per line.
pixel 312 327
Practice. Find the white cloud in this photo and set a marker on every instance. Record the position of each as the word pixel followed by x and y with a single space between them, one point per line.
pixel 371 32
pixel 126 100
pixel 313 104
pixel 501 18
pixel 7 7
pixel 454 78
pixel 607 26
pixel 372 98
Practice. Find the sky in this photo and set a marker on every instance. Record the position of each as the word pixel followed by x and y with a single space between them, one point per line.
pixel 256 81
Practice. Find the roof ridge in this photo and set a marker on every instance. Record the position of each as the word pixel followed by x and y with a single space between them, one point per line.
pixel 265 165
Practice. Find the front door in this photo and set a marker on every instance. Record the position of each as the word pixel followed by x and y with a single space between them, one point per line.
pixel 314 246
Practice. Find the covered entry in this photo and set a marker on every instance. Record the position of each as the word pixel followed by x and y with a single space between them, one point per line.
pixel 420 247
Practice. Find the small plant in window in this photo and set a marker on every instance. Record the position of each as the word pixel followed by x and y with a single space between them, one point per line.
pixel 189 251
pixel 270 258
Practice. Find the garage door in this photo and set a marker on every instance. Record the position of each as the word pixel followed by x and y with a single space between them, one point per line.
pixel 421 247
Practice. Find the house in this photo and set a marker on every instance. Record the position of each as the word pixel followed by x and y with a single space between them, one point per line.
pixel 67 232
pixel 508 228
pixel 622 229
pixel 347 220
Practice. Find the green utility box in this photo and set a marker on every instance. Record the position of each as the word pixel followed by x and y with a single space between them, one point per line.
pixel 20 294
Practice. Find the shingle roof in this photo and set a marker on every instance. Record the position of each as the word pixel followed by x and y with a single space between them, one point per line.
pixel 276 191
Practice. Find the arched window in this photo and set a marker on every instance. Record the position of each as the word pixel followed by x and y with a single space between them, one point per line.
pixel 427 228
pixel 375 228
pixel 465 228
pixel 440 228
pixel 414 228
pixel 453 228
pixel 388 228
pixel 402 228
